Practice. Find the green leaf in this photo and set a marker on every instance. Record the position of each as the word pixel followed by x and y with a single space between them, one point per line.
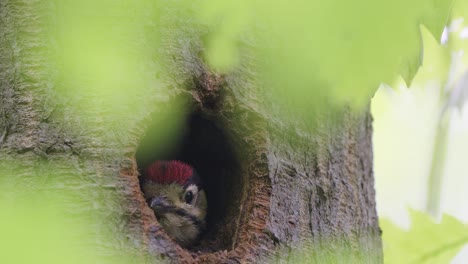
pixel 308 55
pixel 425 242
pixel 436 61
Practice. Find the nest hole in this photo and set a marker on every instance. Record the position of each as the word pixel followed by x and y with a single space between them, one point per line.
pixel 203 143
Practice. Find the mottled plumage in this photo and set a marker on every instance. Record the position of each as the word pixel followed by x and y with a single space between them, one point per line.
pixel 174 192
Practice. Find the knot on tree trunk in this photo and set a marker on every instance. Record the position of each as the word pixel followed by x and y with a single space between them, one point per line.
pixel 207 91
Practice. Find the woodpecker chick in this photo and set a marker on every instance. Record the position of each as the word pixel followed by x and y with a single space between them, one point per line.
pixel 175 193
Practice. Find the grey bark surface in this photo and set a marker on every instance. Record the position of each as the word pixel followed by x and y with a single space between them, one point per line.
pixel 303 188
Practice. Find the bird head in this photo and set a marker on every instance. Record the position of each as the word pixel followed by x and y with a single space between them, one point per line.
pixel 175 193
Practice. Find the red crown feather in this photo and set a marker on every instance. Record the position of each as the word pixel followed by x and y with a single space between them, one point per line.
pixel 165 172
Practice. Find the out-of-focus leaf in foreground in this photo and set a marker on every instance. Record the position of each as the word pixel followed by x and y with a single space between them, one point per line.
pixel 306 53
pixel 35 233
pixel 47 217
pixel 108 60
pixel 311 50
pixel 425 242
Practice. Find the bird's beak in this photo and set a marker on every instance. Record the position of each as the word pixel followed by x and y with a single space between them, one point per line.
pixel 160 204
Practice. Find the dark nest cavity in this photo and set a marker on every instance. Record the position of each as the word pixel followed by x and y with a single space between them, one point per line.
pixel 203 143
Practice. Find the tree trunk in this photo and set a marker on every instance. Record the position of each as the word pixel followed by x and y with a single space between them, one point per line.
pixel 278 190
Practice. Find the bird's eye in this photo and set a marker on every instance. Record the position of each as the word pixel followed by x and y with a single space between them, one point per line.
pixel 188 197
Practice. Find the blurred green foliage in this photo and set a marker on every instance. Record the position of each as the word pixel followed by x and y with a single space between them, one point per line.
pixel 32 232
pixel 48 217
pixel 311 50
pixel 307 52
pixel 425 242
pixel 111 57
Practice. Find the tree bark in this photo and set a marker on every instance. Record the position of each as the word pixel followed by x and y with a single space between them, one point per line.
pixel 282 191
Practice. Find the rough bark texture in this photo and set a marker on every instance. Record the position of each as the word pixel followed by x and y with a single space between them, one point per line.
pixel 285 186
